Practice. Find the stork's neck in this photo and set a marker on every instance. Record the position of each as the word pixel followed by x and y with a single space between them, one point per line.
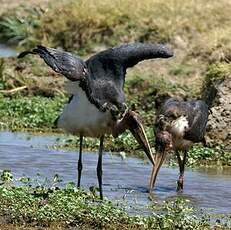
pixel 84 84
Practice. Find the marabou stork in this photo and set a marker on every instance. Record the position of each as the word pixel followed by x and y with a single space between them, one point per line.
pixel 97 103
pixel 178 125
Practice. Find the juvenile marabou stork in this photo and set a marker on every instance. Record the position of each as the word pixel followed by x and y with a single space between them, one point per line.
pixel 97 103
pixel 178 125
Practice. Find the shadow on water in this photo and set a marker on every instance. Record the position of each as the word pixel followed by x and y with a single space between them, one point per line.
pixel 126 178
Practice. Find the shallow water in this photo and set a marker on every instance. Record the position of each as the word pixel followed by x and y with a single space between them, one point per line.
pixel 126 178
pixel 6 51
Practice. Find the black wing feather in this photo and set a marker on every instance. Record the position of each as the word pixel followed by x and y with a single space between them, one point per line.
pixel 198 121
pixel 108 68
pixel 104 73
pixel 61 62
pixel 112 63
pixel 131 54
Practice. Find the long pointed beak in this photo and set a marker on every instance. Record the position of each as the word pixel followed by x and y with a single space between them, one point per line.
pixel 159 159
pixel 138 132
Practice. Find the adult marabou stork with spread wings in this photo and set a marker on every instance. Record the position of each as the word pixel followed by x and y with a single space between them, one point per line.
pixel 97 103
pixel 178 125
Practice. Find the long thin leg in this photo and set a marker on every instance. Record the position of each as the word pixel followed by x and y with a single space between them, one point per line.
pixel 99 167
pixel 80 165
pixel 180 182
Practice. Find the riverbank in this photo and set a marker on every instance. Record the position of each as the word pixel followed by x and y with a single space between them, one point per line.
pixel 37 113
pixel 46 206
pixel 32 96
pixel 31 197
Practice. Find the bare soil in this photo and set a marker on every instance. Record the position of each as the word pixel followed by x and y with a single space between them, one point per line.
pixel 219 124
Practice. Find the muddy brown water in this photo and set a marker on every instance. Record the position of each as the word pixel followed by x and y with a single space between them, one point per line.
pixel 26 154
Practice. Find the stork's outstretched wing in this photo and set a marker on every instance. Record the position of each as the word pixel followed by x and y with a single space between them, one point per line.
pixel 67 64
pixel 131 54
pixel 111 64
pixel 108 68
pixel 101 76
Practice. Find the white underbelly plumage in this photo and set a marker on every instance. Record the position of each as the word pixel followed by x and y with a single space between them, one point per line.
pixel 82 117
pixel 179 126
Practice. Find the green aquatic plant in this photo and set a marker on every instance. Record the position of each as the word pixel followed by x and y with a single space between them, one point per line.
pixel 40 205
pixel 39 113
pixel 29 112
pixel 6 177
pixel 204 156
pixel 178 214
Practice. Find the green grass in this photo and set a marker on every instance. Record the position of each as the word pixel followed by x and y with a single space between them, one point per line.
pixel 47 205
pixel 18 27
pixel 198 31
pixel 26 113
pixel 87 24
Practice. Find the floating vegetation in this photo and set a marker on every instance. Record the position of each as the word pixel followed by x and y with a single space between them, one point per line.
pixel 45 204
